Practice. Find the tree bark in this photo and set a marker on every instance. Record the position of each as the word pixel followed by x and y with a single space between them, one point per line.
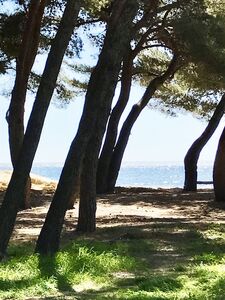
pixel 130 121
pixel 99 95
pixel 192 156
pixel 112 129
pixel 24 63
pixel 75 193
pixel 219 170
pixel 14 192
pixel 87 203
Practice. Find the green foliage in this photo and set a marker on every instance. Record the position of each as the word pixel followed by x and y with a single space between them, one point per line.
pixel 66 88
pixel 150 64
pixel 202 37
pixel 215 7
pixel 180 95
pixel 95 8
pixel 199 82
pixel 11 27
pixel 70 87
pixel 197 29
pixel 11 30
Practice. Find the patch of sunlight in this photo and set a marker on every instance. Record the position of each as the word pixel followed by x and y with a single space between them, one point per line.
pixel 122 275
pixel 213 234
pixel 167 248
pixel 87 285
pixel 28 231
pixel 218 269
pixel 189 284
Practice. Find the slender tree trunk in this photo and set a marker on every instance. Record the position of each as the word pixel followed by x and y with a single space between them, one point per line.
pixel 112 129
pixel 99 94
pixel 219 170
pixel 121 144
pixel 14 192
pixel 24 63
pixel 192 156
pixel 120 147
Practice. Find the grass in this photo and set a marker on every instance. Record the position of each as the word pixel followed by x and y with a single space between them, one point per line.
pixel 164 261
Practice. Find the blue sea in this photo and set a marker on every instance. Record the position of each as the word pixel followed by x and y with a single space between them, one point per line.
pixel 144 174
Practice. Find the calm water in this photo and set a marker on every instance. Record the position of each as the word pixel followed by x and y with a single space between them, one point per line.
pixel 143 175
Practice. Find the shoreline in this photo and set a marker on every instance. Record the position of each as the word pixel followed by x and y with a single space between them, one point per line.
pixel 42 180
pixel 37 181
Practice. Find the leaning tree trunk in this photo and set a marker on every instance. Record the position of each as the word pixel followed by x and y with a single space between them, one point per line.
pixel 99 95
pixel 120 147
pixel 121 144
pixel 219 170
pixel 24 63
pixel 192 156
pixel 14 192
pixel 112 129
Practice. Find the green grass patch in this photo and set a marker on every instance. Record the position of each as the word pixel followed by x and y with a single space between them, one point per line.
pixel 179 262
pixel 80 266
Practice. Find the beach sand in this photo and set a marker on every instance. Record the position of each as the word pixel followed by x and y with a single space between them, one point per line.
pixel 125 209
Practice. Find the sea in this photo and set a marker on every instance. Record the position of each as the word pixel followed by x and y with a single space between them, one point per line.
pixel 136 174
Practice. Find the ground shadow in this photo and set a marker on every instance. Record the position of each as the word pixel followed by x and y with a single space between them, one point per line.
pixel 49 268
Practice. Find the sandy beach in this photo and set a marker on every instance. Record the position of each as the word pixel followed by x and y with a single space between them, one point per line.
pixel 126 208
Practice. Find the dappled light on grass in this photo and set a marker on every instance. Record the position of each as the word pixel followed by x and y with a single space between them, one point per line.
pixel 148 246
pixel 182 262
pixel 77 268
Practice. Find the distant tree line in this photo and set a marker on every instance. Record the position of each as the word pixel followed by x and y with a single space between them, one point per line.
pixel 174 49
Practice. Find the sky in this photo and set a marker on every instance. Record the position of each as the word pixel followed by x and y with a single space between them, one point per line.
pixel 155 137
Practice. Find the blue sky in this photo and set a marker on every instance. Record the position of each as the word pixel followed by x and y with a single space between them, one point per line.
pixel 155 137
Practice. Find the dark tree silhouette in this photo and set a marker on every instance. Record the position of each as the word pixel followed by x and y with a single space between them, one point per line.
pixel 112 128
pixel 219 170
pixel 24 63
pixel 130 121
pixel 192 156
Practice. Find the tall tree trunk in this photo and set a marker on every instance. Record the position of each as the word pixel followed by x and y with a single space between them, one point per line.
pixel 99 94
pixel 219 170
pixel 14 192
pixel 130 121
pixel 87 205
pixel 112 129
pixel 24 63
pixel 192 156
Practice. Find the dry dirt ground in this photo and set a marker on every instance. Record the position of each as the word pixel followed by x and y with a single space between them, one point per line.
pixel 125 209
